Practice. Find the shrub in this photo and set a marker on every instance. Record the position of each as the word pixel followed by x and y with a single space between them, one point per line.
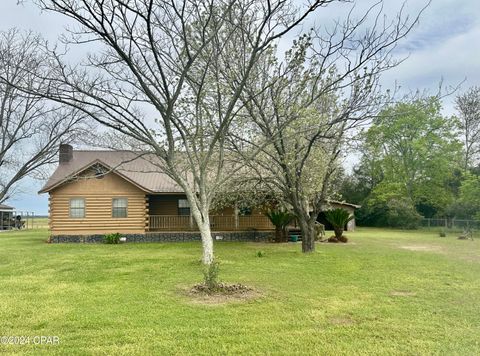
pixel 210 275
pixel 338 218
pixel 112 238
pixel 280 219
pixel 260 254
pixel 443 234
pixel 402 214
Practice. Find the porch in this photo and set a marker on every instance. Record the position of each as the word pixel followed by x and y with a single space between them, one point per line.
pixel 217 223
pixel 172 213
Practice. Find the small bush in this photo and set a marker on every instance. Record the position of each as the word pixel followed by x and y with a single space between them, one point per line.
pixel 112 238
pixel 443 234
pixel 402 214
pixel 280 219
pixel 210 275
pixel 260 254
pixel 338 218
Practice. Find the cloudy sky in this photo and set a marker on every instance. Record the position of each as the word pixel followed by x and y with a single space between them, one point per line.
pixel 444 46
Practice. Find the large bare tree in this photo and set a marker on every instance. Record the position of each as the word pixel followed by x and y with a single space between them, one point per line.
pixel 183 64
pixel 31 128
pixel 328 85
pixel 468 107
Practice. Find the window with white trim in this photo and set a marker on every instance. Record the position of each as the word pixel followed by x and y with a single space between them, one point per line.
pixel 77 208
pixel 119 207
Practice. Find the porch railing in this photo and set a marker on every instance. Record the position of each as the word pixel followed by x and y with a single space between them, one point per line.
pixel 217 223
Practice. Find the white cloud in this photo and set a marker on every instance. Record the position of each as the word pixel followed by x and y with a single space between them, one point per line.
pixel 452 55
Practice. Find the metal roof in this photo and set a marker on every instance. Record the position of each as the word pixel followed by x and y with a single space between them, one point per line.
pixel 142 170
pixel 6 208
pixel 344 203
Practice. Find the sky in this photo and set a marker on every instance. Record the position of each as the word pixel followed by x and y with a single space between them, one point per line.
pixel 443 47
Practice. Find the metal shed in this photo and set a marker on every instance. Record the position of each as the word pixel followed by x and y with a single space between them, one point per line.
pixel 6 217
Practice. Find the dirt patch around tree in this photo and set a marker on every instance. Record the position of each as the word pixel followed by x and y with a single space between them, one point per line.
pixel 225 293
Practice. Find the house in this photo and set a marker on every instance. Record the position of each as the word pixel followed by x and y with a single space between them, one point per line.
pixel 6 217
pixel 93 193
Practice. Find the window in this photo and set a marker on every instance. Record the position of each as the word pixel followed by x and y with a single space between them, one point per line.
pixel 119 207
pixel 183 207
pixel 77 208
pixel 245 211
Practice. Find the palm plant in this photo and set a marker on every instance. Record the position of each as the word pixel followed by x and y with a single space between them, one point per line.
pixel 338 218
pixel 280 219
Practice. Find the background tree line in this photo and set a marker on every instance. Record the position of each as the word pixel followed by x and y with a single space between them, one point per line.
pixel 416 162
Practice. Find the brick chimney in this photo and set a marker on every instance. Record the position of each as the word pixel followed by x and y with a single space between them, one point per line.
pixel 66 153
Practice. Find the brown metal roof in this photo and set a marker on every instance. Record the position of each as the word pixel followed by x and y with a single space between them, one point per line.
pixel 144 171
pixel 344 203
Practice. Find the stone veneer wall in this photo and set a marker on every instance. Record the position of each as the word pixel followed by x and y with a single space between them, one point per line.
pixel 245 236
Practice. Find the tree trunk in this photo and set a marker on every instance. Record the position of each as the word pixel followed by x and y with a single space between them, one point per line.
pixel 306 224
pixel 308 235
pixel 203 222
pixel 278 234
pixel 207 241
pixel 284 234
pixel 338 232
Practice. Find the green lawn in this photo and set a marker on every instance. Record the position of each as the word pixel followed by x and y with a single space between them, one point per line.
pixel 386 292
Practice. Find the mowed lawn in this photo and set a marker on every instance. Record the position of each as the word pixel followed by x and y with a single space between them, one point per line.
pixel 386 292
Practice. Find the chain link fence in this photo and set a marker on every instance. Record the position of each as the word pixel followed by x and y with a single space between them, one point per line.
pixel 451 224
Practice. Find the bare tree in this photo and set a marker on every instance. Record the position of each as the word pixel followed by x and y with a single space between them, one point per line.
pixel 328 85
pixel 468 107
pixel 31 128
pixel 183 63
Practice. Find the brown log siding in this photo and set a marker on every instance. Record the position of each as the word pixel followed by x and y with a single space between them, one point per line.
pixel 98 195
pixel 142 210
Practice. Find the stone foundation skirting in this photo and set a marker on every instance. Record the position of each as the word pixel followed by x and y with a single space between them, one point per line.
pixel 242 236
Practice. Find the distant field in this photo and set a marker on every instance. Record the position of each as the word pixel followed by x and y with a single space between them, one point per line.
pixel 387 292
pixel 40 223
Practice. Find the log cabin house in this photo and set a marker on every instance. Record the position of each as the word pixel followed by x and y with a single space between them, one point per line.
pixel 93 193
pixel 102 192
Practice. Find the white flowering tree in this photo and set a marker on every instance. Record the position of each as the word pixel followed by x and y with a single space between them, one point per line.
pixel 328 85
pixel 170 75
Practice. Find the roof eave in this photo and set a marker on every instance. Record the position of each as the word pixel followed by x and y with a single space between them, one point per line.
pixel 47 189
pixel 344 203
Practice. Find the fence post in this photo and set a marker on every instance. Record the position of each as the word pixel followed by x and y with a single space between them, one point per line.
pixel 446 223
pixel 235 212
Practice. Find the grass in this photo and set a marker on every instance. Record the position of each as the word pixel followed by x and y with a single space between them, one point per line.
pixel 386 292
